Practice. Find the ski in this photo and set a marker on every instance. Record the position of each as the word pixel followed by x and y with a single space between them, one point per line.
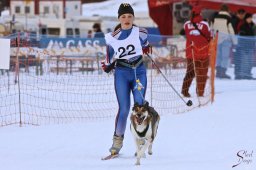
pixel 111 156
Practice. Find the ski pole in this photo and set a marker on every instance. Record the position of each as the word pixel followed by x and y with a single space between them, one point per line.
pixel 189 102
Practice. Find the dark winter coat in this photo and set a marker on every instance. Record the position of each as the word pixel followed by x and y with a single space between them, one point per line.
pixel 247 30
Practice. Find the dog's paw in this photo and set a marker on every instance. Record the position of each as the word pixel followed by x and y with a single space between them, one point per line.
pixel 150 149
pixel 137 162
pixel 142 156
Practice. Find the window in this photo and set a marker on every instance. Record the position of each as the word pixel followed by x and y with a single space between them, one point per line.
pixel 56 10
pixel 77 31
pixel 43 30
pixel 27 9
pixel 46 10
pixel 53 31
pixel 17 9
pixel 69 31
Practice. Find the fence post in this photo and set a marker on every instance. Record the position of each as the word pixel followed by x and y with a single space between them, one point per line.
pixel 57 65
pixel 70 66
pixel 66 68
pixel 37 66
pixel 213 53
pixel 82 62
pixel 98 62
pixel 41 66
pixel 17 72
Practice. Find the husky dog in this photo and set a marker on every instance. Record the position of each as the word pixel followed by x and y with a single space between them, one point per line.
pixel 144 124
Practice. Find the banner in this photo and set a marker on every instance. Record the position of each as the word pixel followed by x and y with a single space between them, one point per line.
pixel 50 42
pixel 5 53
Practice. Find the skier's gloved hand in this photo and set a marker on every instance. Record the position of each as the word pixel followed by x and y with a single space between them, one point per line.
pixel 106 67
pixel 147 50
pixel 103 65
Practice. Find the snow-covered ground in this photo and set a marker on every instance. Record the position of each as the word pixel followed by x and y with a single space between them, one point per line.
pixel 214 137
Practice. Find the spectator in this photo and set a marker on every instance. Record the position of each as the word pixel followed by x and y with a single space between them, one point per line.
pixel 89 34
pixel 198 37
pixel 109 30
pixel 182 32
pixel 246 47
pixel 97 31
pixel 222 23
pixel 237 20
pixel 254 23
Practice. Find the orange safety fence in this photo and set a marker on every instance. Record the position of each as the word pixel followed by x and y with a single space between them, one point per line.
pixel 66 84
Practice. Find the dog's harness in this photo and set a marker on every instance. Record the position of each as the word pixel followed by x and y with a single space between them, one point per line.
pixel 141 134
pixel 155 117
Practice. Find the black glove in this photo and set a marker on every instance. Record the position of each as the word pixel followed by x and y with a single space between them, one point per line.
pixel 107 67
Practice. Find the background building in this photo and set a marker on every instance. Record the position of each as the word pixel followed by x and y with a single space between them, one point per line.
pixel 4 4
pixel 46 8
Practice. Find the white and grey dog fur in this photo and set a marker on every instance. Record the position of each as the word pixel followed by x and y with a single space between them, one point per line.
pixel 144 124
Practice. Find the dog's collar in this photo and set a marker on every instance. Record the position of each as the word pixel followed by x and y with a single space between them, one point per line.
pixel 142 134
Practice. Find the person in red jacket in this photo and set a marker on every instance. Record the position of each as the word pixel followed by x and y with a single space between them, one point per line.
pixel 198 36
